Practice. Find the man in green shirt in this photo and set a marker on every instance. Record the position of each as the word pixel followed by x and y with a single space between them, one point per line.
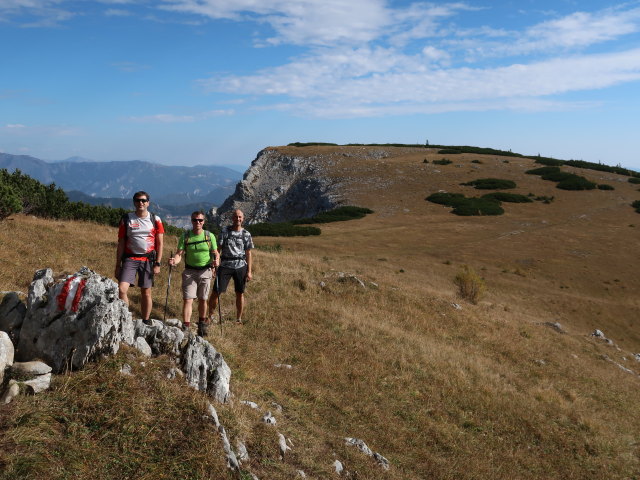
pixel 201 255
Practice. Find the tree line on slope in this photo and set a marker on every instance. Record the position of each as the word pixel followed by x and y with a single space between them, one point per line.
pixel 19 193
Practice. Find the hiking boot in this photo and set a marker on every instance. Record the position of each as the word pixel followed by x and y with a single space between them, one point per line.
pixel 203 329
pixel 148 322
pixel 185 326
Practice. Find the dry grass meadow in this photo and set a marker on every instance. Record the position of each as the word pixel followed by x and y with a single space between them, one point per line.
pixel 485 391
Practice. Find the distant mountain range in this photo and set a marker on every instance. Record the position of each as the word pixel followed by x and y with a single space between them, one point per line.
pixel 174 190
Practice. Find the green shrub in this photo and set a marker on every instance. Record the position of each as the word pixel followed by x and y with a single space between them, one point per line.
pixel 635 180
pixel 576 183
pixel 425 161
pixel 464 206
pixel 339 214
pixel 508 197
pixel 558 176
pixel 544 199
pixel 551 162
pixel 478 206
pixel 543 170
pixel 491 184
pixel 449 151
pixel 444 161
pixel 283 229
pixel 636 205
pixel 476 161
pixel 9 201
pixel 448 199
pixel 470 285
pixel 604 186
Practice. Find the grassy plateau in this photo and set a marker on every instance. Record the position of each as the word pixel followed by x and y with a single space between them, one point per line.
pixel 444 387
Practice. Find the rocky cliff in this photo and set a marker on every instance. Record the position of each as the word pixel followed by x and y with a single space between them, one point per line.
pixel 279 186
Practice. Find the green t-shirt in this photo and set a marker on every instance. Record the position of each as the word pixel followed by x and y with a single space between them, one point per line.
pixel 197 253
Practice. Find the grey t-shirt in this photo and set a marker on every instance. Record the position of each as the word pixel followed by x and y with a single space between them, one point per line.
pixel 233 245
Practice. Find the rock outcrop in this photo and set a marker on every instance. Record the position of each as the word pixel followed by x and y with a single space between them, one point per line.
pixel 279 187
pixel 73 321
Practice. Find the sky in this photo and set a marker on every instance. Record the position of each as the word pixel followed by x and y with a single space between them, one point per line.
pixel 193 82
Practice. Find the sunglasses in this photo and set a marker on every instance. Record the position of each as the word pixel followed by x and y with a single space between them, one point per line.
pixel 143 200
pixel 199 220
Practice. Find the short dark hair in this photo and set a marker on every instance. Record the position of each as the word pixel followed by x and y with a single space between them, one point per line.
pixel 198 212
pixel 137 194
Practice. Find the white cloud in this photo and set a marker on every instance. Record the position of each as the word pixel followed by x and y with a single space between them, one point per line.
pixel 327 85
pixel 15 125
pixel 171 118
pixel 116 12
pixel 299 22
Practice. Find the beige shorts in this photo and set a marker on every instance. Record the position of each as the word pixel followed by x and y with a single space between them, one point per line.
pixel 196 283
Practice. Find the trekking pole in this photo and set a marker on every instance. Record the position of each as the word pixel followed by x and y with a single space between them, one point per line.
pixel 166 302
pixel 215 271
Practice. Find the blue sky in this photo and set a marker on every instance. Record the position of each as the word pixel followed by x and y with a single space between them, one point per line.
pixel 186 82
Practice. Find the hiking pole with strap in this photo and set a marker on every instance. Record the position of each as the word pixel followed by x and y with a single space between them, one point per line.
pixel 215 271
pixel 166 302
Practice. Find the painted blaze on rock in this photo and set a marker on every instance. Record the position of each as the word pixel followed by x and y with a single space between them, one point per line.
pixel 74 320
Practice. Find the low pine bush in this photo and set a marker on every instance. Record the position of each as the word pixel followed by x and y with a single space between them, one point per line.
pixel 10 203
pixel 282 229
pixel 339 214
pixel 444 198
pixel 491 184
pixel 444 161
pixel 636 205
pixel 543 170
pixel 508 197
pixel 466 207
pixel 576 182
pixel 449 151
pixel 478 206
pixel 470 285
pixel 604 186
pixel 634 180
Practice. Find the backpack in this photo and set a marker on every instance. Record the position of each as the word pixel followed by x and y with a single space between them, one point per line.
pixel 207 238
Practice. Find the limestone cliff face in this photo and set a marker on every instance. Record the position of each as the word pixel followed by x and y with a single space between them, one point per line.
pixel 278 187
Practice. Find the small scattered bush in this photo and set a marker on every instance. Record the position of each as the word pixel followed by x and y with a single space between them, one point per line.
pixel 464 206
pixel 491 184
pixel 634 180
pixel 425 161
pixel 9 201
pixel 470 285
pixel 508 197
pixel 575 182
pixel 604 186
pixel 478 206
pixel 543 170
pixel 444 198
pixel 282 229
pixel 636 205
pixel 544 199
pixel 339 214
pixel 476 161
pixel 444 161
pixel 558 176
pixel 550 162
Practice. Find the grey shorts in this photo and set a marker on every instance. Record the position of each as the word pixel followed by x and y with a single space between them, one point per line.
pixel 141 267
pixel 196 283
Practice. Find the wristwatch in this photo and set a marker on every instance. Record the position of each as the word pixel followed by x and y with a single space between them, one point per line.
pixel 156 264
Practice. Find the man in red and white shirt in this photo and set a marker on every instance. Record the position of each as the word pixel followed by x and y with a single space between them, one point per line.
pixel 140 242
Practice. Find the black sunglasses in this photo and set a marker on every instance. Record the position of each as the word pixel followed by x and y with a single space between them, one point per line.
pixel 197 219
pixel 143 200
